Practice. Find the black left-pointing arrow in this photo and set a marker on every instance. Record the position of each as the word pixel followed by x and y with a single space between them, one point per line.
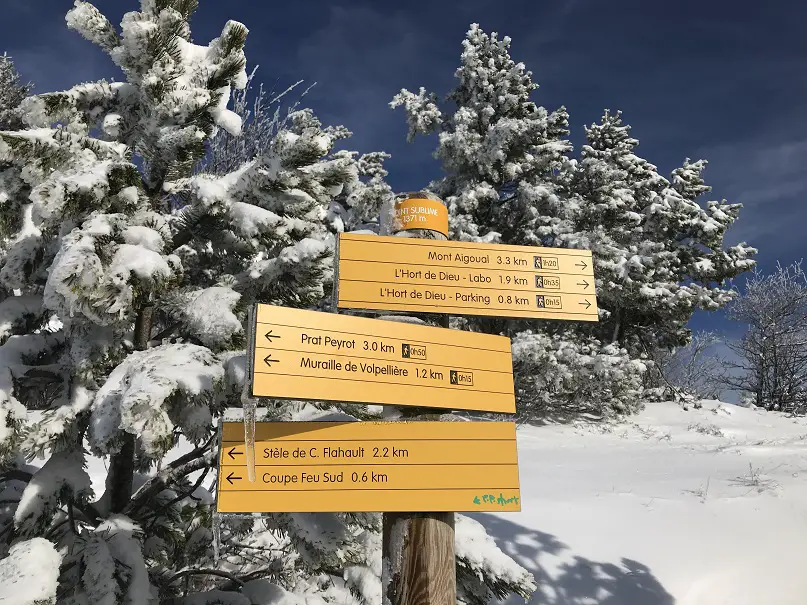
pixel 232 453
pixel 586 303
pixel 270 360
pixel 230 478
pixel 269 336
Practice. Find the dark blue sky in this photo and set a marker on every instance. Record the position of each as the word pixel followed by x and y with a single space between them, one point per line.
pixel 723 80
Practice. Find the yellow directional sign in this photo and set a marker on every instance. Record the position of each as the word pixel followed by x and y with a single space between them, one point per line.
pixel 370 467
pixel 461 278
pixel 300 354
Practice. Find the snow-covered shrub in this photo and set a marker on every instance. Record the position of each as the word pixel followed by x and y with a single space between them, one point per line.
pixel 705 429
pixel 564 375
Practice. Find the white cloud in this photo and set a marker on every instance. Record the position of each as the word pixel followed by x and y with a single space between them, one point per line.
pixel 769 179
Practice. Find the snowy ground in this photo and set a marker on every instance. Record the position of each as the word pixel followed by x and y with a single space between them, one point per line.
pixel 698 507
pixel 657 512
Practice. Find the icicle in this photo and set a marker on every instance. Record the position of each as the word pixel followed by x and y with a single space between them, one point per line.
pixel 386 218
pixel 249 435
pixel 248 405
pixel 216 536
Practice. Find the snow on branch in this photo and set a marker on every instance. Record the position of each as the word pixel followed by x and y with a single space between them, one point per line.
pixel 151 392
pixel 16 311
pixel 483 569
pixel 61 478
pixel 29 575
pixel 422 113
pixel 13 364
pixel 206 314
pixel 125 565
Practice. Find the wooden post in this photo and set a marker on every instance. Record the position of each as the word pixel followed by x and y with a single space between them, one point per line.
pixel 419 567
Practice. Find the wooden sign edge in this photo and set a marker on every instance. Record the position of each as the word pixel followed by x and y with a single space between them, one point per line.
pixel 577 252
pixel 458 311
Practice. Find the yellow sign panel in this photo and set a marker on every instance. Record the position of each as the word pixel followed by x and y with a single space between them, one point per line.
pixel 420 214
pixel 370 467
pixel 461 278
pixel 300 354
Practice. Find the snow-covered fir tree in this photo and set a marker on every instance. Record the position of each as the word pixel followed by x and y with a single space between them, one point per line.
pixel 509 179
pixel 12 92
pixel 125 276
pixel 659 256
pixel 501 153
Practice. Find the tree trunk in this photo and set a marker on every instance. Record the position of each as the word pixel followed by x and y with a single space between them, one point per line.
pixel 618 319
pixel 122 463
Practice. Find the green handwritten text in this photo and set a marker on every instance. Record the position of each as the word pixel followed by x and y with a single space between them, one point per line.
pixel 492 499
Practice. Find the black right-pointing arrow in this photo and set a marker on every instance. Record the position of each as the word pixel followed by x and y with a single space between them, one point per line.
pixel 269 360
pixel 582 264
pixel 584 283
pixel 269 336
pixel 230 478
pixel 586 303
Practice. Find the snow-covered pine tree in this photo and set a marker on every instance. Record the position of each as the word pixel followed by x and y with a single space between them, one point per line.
pixel 133 275
pixel 16 312
pixel 505 158
pixel 12 92
pixel 501 153
pixel 508 179
pixel 659 256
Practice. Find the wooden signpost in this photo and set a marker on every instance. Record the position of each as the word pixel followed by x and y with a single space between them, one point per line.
pixel 461 278
pixel 370 466
pixel 397 467
pixel 300 354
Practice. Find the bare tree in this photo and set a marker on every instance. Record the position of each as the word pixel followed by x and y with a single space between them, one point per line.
pixel 694 369
pixel 772 366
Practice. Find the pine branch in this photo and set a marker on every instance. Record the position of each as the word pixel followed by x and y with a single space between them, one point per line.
pixel 180 497
pixel 256 575
pixel 165 478
pixel 193 454
pixel 87 509
pixel 205 572
pixel 166 333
